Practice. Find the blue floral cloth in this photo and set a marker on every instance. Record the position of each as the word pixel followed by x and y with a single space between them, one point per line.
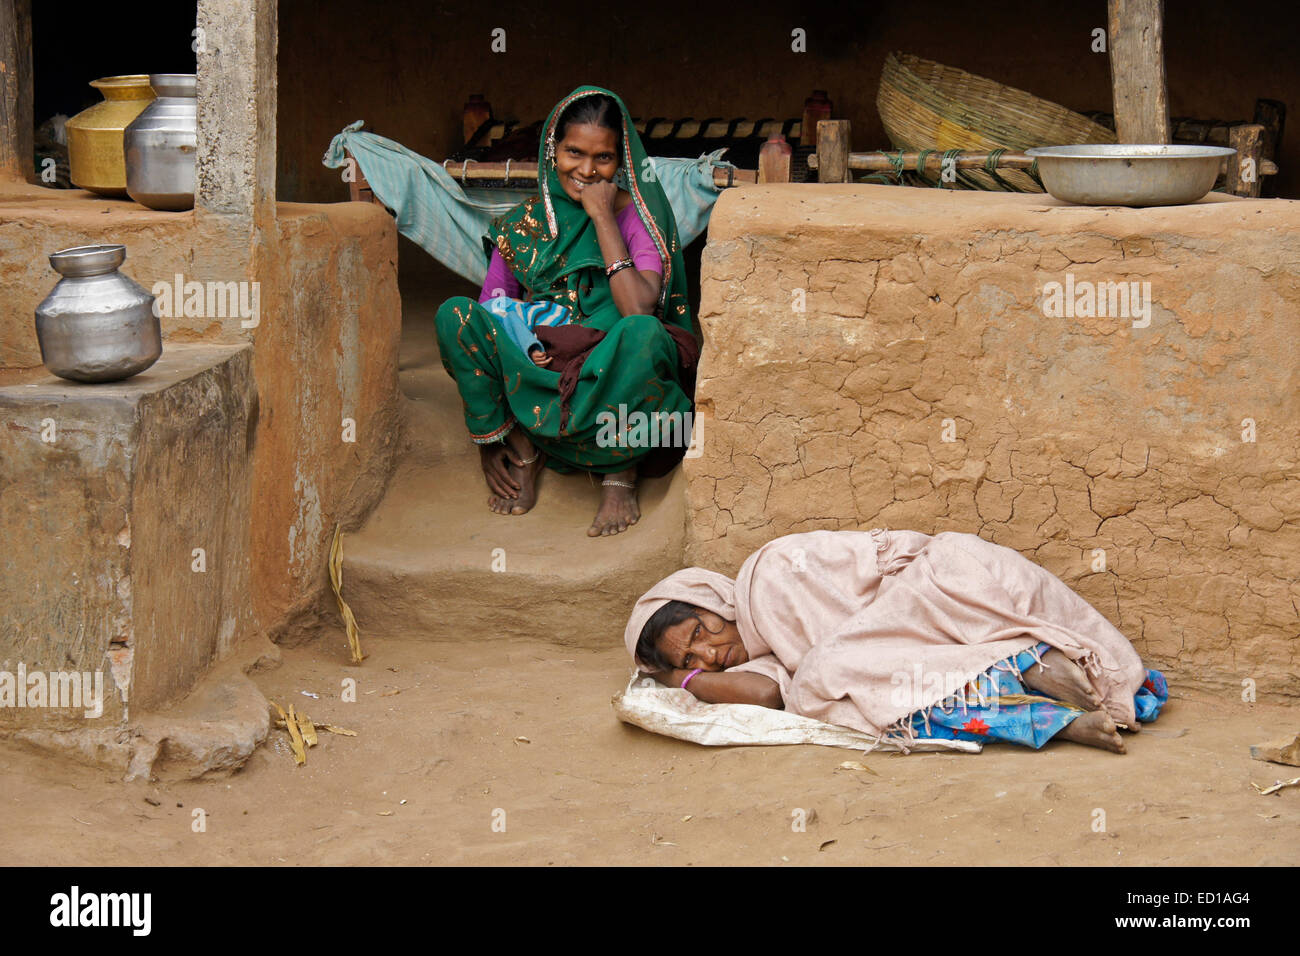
pixel 984 712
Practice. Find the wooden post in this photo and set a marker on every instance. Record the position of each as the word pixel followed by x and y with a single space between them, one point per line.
pixel 1137 71
pixel 833 151
pixel 1244 169
pixel 17 133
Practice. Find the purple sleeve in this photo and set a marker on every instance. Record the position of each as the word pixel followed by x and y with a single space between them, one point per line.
pixel 500 277
pixel 640 247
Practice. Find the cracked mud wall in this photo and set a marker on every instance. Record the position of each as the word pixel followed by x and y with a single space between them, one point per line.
pixel 924 387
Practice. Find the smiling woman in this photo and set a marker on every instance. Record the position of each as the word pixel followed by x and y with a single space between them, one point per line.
pixel 598 243
pixel 901 635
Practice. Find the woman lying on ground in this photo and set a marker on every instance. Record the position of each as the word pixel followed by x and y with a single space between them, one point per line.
pixel 901 635
pixel 599 241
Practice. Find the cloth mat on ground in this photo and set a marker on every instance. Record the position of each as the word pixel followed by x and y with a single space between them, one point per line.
pixel 673 712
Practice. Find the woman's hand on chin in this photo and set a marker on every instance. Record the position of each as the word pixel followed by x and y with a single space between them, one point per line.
pixel 598 199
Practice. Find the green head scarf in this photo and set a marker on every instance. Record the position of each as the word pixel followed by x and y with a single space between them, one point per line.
pixel 550 243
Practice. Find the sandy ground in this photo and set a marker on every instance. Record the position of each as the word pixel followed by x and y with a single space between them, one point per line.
pixel 439 758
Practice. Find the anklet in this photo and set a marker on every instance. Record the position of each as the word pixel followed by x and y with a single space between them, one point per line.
pixel 621 484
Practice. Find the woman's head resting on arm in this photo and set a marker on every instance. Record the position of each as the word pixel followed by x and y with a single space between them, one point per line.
pixel 662 629
pixel 683 637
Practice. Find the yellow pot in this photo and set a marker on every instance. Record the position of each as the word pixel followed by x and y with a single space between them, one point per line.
pixel 95 152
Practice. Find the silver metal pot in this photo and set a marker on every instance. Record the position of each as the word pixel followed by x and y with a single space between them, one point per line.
pixel 161 145
pixel 97 325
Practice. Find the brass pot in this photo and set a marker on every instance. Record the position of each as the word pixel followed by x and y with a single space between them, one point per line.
pixel 95 151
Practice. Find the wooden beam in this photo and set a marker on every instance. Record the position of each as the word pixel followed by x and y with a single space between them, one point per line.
pixel 524 173
pixel 882 161
pixel 1137 71
pixel 17 132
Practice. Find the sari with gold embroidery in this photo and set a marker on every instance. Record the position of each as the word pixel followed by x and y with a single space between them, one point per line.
pixel 550 244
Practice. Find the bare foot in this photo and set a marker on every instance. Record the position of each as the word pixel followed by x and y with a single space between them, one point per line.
pixel 522 478
pixel 1094 730
pixel 618 508
pixel 1061 678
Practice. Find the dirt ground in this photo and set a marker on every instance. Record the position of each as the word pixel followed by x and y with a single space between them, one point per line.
pixel 454 737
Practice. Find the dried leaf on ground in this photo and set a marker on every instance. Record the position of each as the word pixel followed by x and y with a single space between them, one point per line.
pixel 337 730
pixel 855 765
pixel 1280 785
pixel 308 730
pixel 295 735
pixel 336 583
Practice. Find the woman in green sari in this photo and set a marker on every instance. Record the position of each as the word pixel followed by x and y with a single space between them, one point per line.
pixel 628 346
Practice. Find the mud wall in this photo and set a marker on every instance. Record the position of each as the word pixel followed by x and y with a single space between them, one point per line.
pixel 878 356
pixel 327 374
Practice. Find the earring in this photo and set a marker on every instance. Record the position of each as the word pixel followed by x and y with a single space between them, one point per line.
pixel 550 151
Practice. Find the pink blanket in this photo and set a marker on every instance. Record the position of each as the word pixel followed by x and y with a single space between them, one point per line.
pixel 862 629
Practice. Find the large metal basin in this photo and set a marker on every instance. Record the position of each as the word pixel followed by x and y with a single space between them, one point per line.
pixel 1129 174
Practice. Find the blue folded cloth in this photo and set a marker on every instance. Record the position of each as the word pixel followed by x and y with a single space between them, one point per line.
pixel 520 318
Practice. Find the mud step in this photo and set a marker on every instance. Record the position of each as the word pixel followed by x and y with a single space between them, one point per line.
pixel 433 561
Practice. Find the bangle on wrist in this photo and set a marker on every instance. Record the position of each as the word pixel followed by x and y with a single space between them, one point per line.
pixel 690 675
pixel 624 263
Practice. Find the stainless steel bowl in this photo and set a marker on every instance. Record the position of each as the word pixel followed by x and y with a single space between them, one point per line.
pixel 1129 174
